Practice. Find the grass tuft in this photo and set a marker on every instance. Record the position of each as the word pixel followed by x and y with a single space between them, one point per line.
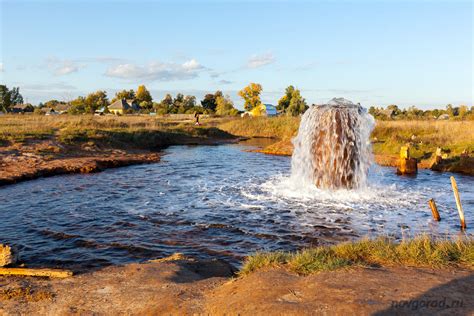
pixel 421 251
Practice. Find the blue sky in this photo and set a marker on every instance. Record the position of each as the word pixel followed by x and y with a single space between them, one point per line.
pixel 373 52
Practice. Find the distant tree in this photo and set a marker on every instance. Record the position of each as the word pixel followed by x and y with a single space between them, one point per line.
pixel 78 106
pixel 209 101
pixel 124 94
pixel 5 101
pixel 395 109
pixel 285 100
pixel 463 111
pixel 143 97
pixel 15 96
pixel 373 111
pixel 53 103
pixel 297 104
pixel 165 105
pixel 225 106
pixel 178 103
pixel 251 96
pixel 452 111
pixel 9 98
pixel 95 101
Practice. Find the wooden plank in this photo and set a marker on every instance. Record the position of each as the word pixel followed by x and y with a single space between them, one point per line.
pixel 434 210
pixel 52 273
pixel 458 202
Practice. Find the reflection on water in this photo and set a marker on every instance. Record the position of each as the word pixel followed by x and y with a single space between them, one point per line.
pixel 220 202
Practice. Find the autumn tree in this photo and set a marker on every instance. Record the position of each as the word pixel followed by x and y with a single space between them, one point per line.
pixel 251 96
pixel 143 97
pixel 225 106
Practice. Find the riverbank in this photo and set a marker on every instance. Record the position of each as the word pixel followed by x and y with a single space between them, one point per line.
pixel 423 137
pixel 189 287
pixel 39 146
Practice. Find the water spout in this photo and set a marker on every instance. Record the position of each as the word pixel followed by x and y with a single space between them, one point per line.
pixel 332 148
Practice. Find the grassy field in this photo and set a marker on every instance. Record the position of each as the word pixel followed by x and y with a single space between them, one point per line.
pixel 143 131
pixel 421 251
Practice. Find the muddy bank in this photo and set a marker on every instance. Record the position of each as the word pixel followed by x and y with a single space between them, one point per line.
pixel 45 158
pixel 188 287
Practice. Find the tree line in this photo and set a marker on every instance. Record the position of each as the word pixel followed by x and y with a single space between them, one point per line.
pixel 393 112
pixel 292 103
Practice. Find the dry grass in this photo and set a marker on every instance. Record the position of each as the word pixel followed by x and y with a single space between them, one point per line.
pixel 421 251
pixel 452 136
pixel 70 129
pixel 281 127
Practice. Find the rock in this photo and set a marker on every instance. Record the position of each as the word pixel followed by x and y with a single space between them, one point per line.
pixel 8 255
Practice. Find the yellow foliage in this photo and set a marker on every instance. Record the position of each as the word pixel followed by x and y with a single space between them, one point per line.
pixel 251 95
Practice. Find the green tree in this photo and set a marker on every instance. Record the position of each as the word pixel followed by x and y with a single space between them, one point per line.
pixel 15 96
pixel 251 96
pixel 124 94
pixel 297 104
pixel 96 100
pixel 209 101
pixel 178 103
pixel 165 105
pixel 5 102
pixel 78 106
pixel 9 98
pixel 285 100
pixel 225 106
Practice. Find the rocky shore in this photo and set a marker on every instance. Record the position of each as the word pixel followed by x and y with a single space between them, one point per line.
pixel 188 287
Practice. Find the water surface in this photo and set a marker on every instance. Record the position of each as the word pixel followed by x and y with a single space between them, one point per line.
pixel 212 201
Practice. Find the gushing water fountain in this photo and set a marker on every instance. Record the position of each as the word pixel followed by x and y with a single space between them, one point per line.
pixel 332 148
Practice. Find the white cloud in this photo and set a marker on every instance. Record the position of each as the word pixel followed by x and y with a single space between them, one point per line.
pixel 257 61
pixel 223 81
pixel 156 71
pixel 61 67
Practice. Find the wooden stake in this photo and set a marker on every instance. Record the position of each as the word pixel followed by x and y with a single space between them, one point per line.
pixel 458 202
pixel 434 210
pixel 52 273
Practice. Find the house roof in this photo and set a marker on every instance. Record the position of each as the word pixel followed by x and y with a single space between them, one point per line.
pixel 20 106
pixel 119 105
pixel 62 107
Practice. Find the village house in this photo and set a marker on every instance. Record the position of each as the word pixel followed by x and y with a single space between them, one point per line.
pixel 122 106
pixel 62 108
pixel 262 110
pixel 22 108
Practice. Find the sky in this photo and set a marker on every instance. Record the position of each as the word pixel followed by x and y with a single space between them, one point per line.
pixel 373 52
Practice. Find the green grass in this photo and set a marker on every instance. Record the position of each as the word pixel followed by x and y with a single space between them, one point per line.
pixel 421 251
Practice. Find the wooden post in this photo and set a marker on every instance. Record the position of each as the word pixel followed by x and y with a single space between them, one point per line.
pixel 458 202
pixel 407 165
pixel 434 210
pixel 52 273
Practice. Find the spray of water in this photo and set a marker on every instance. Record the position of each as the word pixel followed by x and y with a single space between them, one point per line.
pixel 332 148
